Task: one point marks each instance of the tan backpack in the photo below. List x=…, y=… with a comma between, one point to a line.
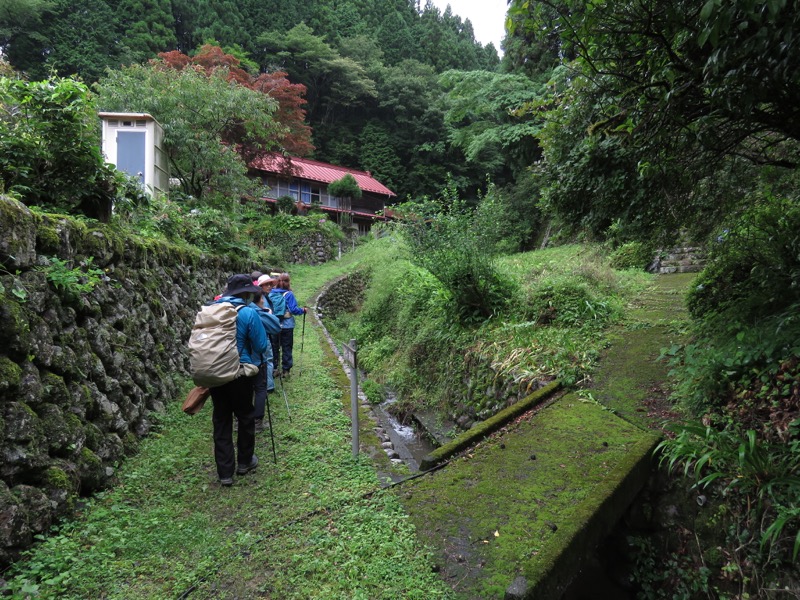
x=213, y=355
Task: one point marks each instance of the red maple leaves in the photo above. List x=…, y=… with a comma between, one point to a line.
x=296, y=139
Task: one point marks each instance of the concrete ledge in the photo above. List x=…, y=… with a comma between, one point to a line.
x=555, y=567
x=490, y=425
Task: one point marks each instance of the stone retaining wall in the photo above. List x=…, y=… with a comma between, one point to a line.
x=312, y=249
x=486, y=392
x=342, y=295
x=82, y=373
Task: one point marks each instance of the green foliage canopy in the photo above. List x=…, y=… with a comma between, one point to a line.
x=346, y=187
x=49, y=151
x=485, y=112
x=203, y=117
x=661, y=94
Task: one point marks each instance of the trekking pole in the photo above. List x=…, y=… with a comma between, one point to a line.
x=283, y=391
x=271, y=434
x=302, y=340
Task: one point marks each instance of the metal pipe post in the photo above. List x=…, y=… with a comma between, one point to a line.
x=354, y=396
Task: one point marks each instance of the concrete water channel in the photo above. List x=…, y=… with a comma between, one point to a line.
x=518, y=511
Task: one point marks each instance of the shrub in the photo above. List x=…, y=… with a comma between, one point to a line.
x=373, y=391
x=568, y=301
x=285, y=204
x=746, y=307
x=448, y=241
x=760, y=478
x=632, y=255
x=754, y=264
x=49, y=150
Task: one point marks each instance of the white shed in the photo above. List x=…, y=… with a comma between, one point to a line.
x=132, y=143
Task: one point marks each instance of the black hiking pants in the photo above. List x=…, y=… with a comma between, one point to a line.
x=233, y=399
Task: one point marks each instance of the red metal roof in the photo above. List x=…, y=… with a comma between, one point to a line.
x=317, y=171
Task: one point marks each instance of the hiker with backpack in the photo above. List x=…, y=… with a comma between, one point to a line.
x=277, y=305
x=226, y=348
x=261, y=386
x=283, y=289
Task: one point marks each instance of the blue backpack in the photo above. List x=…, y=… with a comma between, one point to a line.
x=279, y=308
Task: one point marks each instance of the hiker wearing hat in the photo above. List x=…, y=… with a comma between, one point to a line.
x=286, y=337
x=267, y=284
x=235, y=398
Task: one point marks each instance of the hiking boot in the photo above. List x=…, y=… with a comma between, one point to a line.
x=259, y=425
x=226, y=481
x=245, y=469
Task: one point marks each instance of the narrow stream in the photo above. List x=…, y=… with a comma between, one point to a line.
x=409, y=441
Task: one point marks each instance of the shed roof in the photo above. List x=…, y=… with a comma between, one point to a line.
x=317, y=171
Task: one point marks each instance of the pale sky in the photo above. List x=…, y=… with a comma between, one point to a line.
x=488, y=18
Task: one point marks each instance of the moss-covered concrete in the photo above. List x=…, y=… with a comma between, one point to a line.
x=631, y=378
x=531, y=502
x=484, y=428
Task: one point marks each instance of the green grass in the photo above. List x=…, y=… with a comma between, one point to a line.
x=314, y=525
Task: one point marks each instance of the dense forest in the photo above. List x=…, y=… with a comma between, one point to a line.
x=632, y=124
x=369, y=68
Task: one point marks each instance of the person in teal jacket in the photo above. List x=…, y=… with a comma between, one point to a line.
x=286, y=337
x=261, y=386
x=235, y=398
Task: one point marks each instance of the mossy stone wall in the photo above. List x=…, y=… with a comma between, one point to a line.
x=82, y=374
x=343, y=295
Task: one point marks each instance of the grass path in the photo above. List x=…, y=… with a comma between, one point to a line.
x=314, y=525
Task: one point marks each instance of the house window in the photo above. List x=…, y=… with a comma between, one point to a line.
x=316, y=194
x=294, y=190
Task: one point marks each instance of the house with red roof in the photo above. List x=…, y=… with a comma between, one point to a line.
x=306, y=181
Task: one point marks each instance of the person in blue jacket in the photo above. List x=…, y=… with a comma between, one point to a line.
x=284, y=288
x=235, y=398
x=261, y=385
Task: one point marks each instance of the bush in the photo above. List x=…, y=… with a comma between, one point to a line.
x=373, y=390
x=285, y=204
x=449, y=242
x=49, y=147
x=632, y=255
x=569, y=301
x=754, y=265
x=760, y=479
x=746, y=306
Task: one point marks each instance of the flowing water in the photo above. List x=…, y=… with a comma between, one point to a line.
x=410, y=441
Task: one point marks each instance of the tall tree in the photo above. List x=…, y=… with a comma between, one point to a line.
x=147, y=27
x=77, y=38
x=296, y=136
x=489, y=122
x=335, y=83
x=659, y=94
x=20, y=19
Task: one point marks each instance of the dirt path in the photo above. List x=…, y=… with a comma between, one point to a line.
x=516, y=514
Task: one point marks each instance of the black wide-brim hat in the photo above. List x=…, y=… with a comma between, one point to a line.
x=240, y=284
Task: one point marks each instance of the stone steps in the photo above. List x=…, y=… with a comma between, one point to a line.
x=683, y=259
